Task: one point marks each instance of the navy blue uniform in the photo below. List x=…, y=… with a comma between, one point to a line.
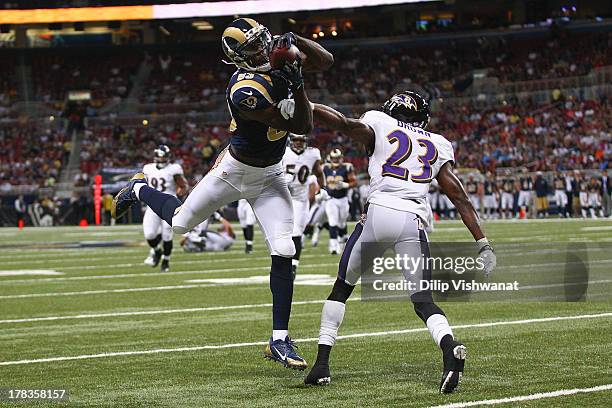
x=252, y=91
x=335, y=175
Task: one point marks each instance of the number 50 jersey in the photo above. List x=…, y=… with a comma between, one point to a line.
x=162, y=179
x=298, y=166
x=404, y=162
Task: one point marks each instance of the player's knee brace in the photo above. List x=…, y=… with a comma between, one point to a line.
x=341, y=291
x=424, y=305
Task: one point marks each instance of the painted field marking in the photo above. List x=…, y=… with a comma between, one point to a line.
x=529, y=397
x=36, y=272
x=130, y=275
x=306, y=340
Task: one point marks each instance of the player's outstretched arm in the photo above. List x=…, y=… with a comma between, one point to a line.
x=353, y=128
x=317, y=57
x=453, y=189
x=314, y=56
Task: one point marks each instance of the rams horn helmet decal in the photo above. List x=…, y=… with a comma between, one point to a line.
x=247, y=44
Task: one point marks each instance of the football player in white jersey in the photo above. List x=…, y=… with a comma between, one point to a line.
x=168, y=178
x=404, y=158
x=202, y=239
x=300, y=161
x=340, y=177
x=247, y=219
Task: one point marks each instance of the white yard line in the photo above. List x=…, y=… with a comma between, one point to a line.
x=98, y=292
x=160, y=312
x=306, y=340
x=131, y=275
x=530, y=397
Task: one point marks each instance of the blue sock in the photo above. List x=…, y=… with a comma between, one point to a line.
x=281, y=286
x=162, y=204
x=333, y=232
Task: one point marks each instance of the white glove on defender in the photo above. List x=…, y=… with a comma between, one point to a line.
x=286, y=108
x=486, y=253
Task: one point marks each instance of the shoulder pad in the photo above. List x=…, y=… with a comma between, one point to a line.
x=251, y=91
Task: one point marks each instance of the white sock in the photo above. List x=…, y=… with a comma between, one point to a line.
x=166, y=257
x=331, y=319
x=438, y=327
x=333, y=244
x=279, y=334
x=249, y=242
x=136, y=188
x=295, y=262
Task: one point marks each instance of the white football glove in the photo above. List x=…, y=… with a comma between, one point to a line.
x=342, y=185
x=486, y=253
x=286, y=108
x=322, y=195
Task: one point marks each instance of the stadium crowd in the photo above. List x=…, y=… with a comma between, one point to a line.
x=32, y=155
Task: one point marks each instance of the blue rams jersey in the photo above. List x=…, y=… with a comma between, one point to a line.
x=334, y=175
x=252, y=91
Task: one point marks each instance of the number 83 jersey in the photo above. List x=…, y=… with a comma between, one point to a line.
x=162, y=179
x=404, y=162
x=298, y=166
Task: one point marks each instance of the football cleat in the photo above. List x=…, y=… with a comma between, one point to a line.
x=319, y=375
x=126, y=197
x=283, y=351
x=153, y=259
x=248, y=249
x=454, y=360
x=165, y=265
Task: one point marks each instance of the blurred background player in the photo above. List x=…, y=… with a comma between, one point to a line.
x=507, y=197
x=594, y=198
x=471, y=186
x=403, y=160
x=167, y=178
x=339, y=177
x=490, y=196
x=526, y=188
x=202, y=239
x=540, y=185
x=560, y=195
x=246, y=217
x=300, y=162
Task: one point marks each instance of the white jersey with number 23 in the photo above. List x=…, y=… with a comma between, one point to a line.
x=404, y=162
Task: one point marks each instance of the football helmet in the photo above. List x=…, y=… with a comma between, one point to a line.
x=162, y=156
x=247, y=44
x=298, y=143
x=335, y=157
x=408, y=107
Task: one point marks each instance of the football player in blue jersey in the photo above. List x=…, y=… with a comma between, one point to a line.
x=250, y=167
x=340, y=177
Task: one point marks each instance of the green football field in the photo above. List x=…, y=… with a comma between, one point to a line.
x=93, y=319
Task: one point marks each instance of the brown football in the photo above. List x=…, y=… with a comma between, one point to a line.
x=281, y=56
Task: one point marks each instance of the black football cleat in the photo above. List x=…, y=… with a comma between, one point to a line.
x=454, y=360
x=248, y=249
x=126, y=197
x=165, y=265
x=319, y=375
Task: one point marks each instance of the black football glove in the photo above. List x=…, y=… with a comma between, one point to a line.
x=285, y=41
x=292, y=74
